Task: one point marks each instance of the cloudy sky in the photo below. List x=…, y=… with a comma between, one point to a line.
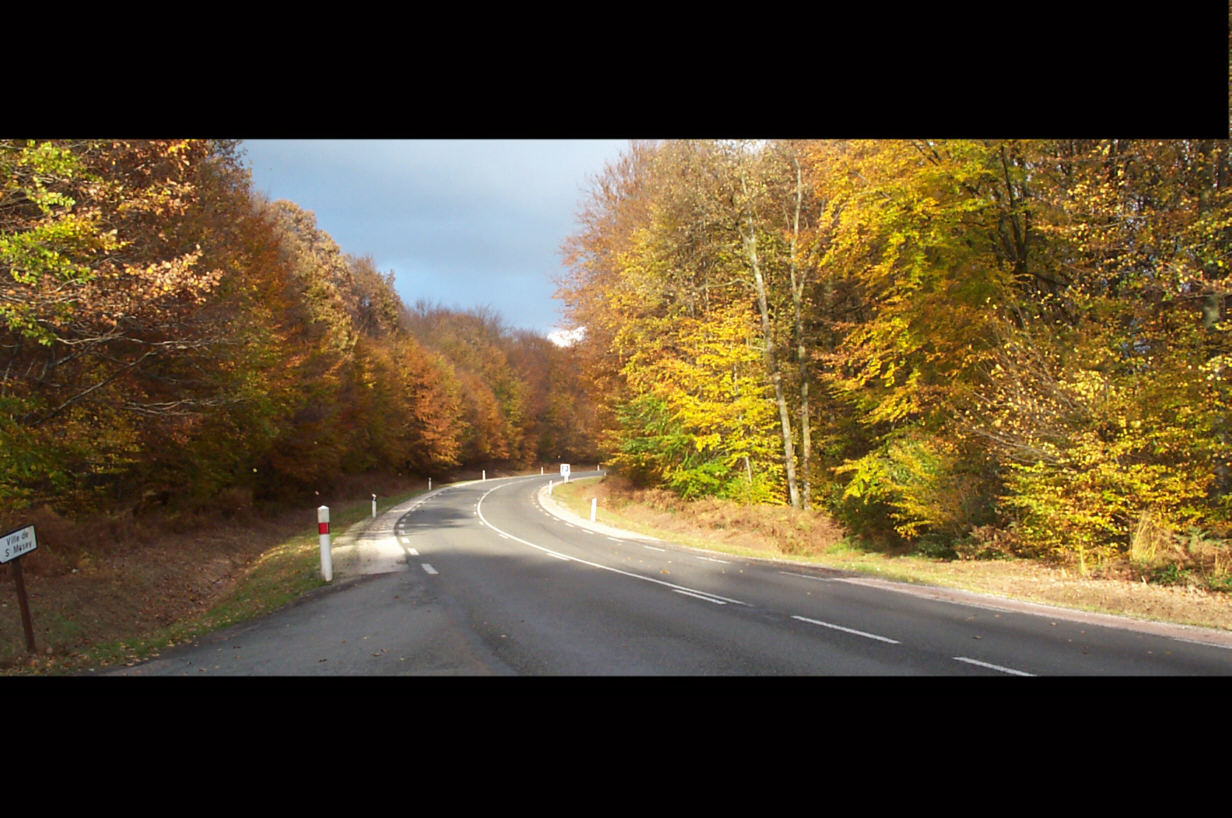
x=461, y=223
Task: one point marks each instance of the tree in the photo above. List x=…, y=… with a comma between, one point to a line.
x=101, y=306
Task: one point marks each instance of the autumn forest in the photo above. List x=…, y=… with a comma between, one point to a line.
x=173, y=341
x=976, y=347
x=979, y=347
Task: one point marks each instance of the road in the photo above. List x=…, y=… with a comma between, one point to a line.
x=492, y=578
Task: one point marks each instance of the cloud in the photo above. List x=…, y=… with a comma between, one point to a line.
x=566, y=338
x=460, y=222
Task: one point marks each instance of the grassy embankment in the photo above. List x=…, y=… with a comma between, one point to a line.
x=119, y=590
x=779, y=533
x=121, y=602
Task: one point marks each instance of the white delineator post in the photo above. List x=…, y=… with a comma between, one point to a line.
x=327, y=565
x=594, y=504
x=374, y=506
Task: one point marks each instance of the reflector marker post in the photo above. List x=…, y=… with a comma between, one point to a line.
x=327, y=565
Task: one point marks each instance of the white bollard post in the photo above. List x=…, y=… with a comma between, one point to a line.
x=541, y=469
x=429, y=484
x=594, y=504
x=327, y=566
x=485, y=474
x=374, y=506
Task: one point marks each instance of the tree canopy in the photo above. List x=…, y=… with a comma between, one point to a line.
x=168, y=336
x=931, y=338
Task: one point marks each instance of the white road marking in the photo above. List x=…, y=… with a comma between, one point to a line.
x=652, y=548
x=715, y=600
x=413, y=552
x=429, y=568
x=807, y=576
x=712, y=559
x=1009, y=670
x=558, y=555
x=847, y=630
x=1203, y=644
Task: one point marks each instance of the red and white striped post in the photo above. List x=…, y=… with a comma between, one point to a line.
x=327, y=566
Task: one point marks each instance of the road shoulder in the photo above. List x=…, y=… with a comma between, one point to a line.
x=1190, y=633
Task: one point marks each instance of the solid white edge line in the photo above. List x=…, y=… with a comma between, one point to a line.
x=847, y=630
x=1009, y=670
x=558, y=555
x=807, y=576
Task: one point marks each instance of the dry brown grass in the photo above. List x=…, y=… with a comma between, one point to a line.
x=88, y=587
x=767, y=529
x=115, y=579
x=782, y=533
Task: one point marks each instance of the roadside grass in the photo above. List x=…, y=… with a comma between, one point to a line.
x=114, y=610
x=779, y=533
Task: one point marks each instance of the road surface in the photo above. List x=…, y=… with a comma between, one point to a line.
x=492, y=578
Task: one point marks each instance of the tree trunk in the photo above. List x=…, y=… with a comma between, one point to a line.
x=772, y=364
x=797, y=303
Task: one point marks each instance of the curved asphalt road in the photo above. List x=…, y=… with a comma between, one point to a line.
x=492, y=578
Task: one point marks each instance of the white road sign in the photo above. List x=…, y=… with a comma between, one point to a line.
x=16, y=543
x=564, y=470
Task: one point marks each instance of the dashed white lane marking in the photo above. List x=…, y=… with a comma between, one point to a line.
x=413, y=552
x=707, y=597
x=558, y=555
x=847, y=630
x=614, y=539
x=1009, y=670
x=712, y=559
x=428, y=568
x=653, y=548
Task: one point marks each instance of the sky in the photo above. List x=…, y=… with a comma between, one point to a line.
x=461, y=223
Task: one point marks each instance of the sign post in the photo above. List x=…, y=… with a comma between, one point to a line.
x=13, y=546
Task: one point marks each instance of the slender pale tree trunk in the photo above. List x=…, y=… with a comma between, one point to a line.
x=772, y=364
x=797, y=303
